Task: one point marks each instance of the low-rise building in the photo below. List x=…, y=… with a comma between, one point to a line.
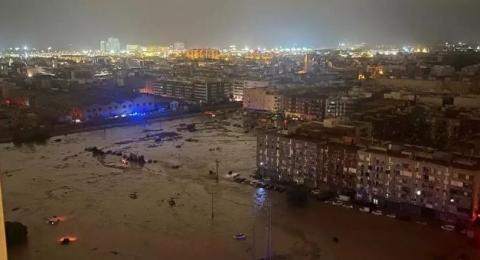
x=262, y=99
x=203, y=91
x=114, y=109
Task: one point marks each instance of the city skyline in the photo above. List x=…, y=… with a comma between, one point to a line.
x=213, y=23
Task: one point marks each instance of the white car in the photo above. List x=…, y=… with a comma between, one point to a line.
x=364, y=209
x=315, y=192
x=347, y=206
x=448, y=227
x=391, y=216
x=377, y=212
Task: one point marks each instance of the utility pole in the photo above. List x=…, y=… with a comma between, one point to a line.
x=217, y=162
x=212, y=208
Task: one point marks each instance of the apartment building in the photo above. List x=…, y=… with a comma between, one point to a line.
x=445, y=187
x=296, y=158
x=304, y=107
x=414, y=181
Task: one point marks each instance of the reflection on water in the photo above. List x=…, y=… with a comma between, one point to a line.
x=260, y=197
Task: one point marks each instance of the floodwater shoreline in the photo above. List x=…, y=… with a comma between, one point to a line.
x=74, y=130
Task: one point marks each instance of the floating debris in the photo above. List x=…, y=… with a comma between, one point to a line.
x=133, y=195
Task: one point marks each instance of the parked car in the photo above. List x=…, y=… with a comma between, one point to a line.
x=343, y=198
x=337, y=203
x=377, y=212
x=391, y=215
x=348, y=206
x=316, y=192
x=364, y=209
x=449, y=228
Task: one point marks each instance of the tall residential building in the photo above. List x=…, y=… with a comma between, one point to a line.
x=113, y=45
x=103, y=46
x=308, y=63
x=308, y=158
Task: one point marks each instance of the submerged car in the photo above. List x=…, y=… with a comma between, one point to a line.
x=240, y=236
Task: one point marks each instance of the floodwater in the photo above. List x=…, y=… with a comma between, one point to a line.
x=126, y=213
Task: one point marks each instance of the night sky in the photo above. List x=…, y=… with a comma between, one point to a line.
x=219, y=23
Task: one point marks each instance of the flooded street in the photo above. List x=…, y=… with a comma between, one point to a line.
x=126, y=212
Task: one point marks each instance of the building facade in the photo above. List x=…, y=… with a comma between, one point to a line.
x=421, y=183
x=304, y=107
x=444, y=188
x=262, y=99
x=203, y=54
x=203, y=91
x=139, y=105
x=308, y=162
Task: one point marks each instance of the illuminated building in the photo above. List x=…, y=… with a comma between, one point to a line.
x=133, y=48
x=114, y=109
x=307, y=157
x=113, y=45
x=409, y=181
x=156, y=51
x=203, y=54
x=339, y=106
x=103, y=47
x=437, y=185
x=178, y=47
x=200, y=90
